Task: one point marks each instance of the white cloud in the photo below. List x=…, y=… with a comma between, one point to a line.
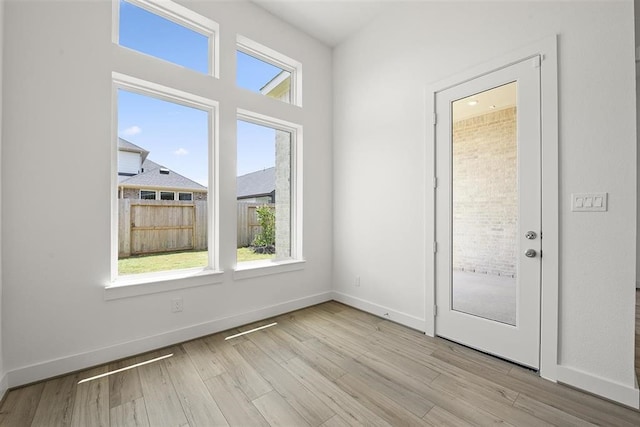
x=133, y=130
x=181, y=152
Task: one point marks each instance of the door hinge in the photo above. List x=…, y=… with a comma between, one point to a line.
x=435, y=182
x=536, y=61
x=435, y=247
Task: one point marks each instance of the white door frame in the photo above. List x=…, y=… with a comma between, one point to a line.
x=547, y=48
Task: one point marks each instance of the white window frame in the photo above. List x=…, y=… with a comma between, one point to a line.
x=277, y=59
x=295, y=261
x=120, y=286
x=179, y=15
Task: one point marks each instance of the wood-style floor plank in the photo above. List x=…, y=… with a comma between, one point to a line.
x=203, y=358
x=91, y=408
x=488, y=401
x=234, y=404
x=19, y=406
x=198, y=405
x=548, y=413
x=296, y=395
x=277, y=411
x=378, y=403
x=130, y=414
x=245, y=375
x=335, y=421
x=440, y=417
x=301, y=350
x=162, y=401
x=124, y=386
x=328, y=365
x=56, y=402
x=333, y=396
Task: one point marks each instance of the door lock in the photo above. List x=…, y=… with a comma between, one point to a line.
x=530, y=253
x=530, y=235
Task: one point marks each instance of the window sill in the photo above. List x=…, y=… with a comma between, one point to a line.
x=251, y=269
x=144, y=284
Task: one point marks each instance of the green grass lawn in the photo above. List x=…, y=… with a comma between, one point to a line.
x=176, y=261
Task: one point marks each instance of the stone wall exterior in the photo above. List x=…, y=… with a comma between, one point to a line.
x=283, y=194
x=485, y=204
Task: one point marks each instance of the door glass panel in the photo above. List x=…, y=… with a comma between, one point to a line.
x=485, y=204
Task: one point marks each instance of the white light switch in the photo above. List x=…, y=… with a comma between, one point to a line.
x=589, y=202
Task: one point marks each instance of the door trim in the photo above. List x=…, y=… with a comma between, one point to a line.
x=547, y=48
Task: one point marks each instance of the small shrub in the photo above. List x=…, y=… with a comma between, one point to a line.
x=264, y=243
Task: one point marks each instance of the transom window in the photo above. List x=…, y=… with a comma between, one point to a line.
x=168, y=31
x=264, y=71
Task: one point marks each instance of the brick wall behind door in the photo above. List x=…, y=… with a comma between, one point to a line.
x=485, y=202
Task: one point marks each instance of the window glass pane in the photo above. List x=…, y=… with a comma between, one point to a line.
x=147, y=195
x=263, y=192
x=154, y=35
x=264, y=78
x=485, y=196
x=170, y=142
x=185, y=196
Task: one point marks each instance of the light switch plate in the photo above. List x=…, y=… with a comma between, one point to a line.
x=589, y=202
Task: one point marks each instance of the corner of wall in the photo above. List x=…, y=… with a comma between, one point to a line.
x=3, y=376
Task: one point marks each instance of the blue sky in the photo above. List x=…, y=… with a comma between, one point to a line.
x=175, y=135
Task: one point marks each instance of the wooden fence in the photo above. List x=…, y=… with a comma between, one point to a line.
x=154, y=226
x=248, y=226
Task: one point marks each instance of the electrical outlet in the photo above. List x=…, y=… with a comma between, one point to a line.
x=357, y=281
x=176, y=305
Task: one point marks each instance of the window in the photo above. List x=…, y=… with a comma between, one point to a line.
x=147, y=194
x=185, y=196
x=173, y=132
x=267, y=72
x=167, y=195
x=168, y=31
x=266, y=188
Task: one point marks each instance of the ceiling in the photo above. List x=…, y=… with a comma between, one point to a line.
x=485, y=102
x=330, y=21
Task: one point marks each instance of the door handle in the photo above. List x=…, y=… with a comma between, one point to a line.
x=530, y=253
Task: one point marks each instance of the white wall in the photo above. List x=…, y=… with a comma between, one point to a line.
x=56, y=215
x=3, y=378
x=380, y=78
x=636, y=14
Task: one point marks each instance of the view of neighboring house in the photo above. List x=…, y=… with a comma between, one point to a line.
x=257, y=187
x=278, y=87
x=141, y=178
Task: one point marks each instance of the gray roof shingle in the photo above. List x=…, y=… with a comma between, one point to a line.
x=258, y=183
x=151, y=177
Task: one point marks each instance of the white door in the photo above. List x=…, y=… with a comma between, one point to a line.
x=488, y=212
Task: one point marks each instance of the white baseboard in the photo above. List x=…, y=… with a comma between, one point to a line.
x=76, y=362
x=4, y=385
x=380, y=311
x=608, y=389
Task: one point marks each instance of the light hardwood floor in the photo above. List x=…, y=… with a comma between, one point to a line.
x=328, y=365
